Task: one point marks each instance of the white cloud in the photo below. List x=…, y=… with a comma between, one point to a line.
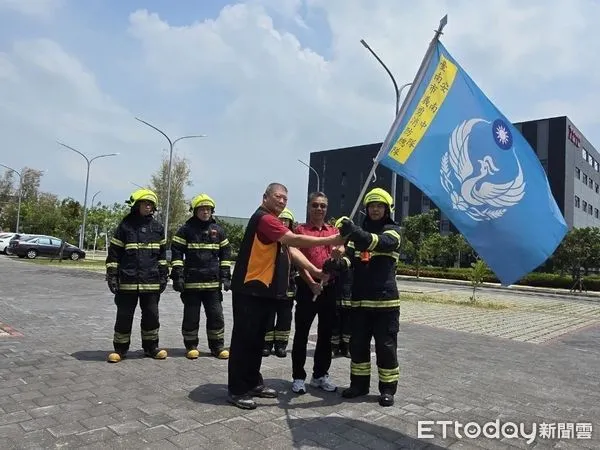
x=288, y=100
x=37, y=8
x=264, y=98
x=48, y=95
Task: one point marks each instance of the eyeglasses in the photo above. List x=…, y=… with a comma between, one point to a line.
x=319, y=205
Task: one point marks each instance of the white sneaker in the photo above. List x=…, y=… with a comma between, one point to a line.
x=324, y=383
x=298, y=387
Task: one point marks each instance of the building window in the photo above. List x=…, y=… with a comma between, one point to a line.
x=445, y=225
x=405, y=198
x=596, y=213
x=426, y=202
x=584, y=203
x=578, y=173
x=597, y=188
x=596, y=166
x=577, y=202
x=584, y=178
x=591, y=183
x=589, y=209
x=343, y=181
x=584, y=153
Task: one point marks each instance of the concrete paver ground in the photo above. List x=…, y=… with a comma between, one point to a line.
x=534, y=363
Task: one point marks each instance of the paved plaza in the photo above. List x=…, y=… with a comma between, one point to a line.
x=535, y=363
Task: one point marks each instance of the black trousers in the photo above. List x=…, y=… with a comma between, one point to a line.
x=279, y=324
x=250, y=317
x=126, y=304
x=215, y=323
x=383, y=326
x=306, y=310
x=342, y=331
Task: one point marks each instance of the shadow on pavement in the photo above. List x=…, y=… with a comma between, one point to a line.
x=326, y=432
x=334, y=432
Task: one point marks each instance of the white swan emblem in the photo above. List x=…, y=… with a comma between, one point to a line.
x=476, y=196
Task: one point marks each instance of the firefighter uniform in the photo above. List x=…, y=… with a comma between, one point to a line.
x=136, y=269
x=340, y=338
x=375, y=300
x=280, y=319
x=201, y=263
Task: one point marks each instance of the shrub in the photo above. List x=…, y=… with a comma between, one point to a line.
x=535, y=279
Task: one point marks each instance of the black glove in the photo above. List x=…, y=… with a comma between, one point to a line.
x=179, y=284
x=346, y=226
x=113, y=283
x=331, y=265
x=226, y=284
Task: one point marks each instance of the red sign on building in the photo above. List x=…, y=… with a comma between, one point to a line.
x=574, y=137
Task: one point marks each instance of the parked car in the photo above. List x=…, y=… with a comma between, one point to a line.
x=5, y=240
x=46, y=246
x=15, y=239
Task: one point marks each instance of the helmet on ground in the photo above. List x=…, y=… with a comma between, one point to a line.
x=287, y=214
x=143, y=194
x=379, y=195
x=202, y=200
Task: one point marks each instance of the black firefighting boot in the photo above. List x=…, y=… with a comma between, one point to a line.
x=335, y=350
x=386, y=399
x=267, y=349
x=344, y=350
x=356, y=389
x=155, y=352
x=280, y=349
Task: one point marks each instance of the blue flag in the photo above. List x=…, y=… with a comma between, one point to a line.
x=458, y=148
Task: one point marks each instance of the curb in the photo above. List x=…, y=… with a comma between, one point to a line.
x=528, y=290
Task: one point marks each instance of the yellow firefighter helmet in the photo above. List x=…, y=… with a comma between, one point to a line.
x=143, y=194
x=379, y=195
x=287, y=214
x=202, y=200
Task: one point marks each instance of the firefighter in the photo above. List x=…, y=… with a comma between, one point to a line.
x=200, y=275
x=280, y=320
x=340, y=337
x=136, y=269
x=375, y=300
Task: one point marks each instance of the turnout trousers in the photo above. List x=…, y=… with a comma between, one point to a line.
x=193, y=300
x=384, y=327
x=342, y=331
x=250, y=317
x=126, y=305
x=279, y=325
x=306, y=311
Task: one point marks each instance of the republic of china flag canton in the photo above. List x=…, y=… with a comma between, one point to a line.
x=461, y=151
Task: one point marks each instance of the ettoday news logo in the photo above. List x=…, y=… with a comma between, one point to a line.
x=429, y=429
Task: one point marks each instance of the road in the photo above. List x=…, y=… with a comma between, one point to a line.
x=57, y=391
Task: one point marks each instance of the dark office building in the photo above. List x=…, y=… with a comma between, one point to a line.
x=569, y=159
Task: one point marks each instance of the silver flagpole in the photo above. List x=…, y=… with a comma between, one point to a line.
x=409, y=97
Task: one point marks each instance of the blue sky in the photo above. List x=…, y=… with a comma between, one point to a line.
x=275, y=78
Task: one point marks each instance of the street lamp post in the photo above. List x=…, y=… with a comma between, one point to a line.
x=20, y=195
x=398, y=96
x=89, y=162
x=171, y=146
x=315, y=172
x=94, y=197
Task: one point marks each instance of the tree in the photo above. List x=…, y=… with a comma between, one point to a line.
x=31, y=183
x=180, y=179
x=417, y=229
x=579, y=249
x=234, y=233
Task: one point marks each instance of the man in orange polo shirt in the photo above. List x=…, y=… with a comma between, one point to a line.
x=307, y=306
x=259, y=283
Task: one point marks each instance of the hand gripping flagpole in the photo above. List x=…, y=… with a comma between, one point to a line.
x=400, y=116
